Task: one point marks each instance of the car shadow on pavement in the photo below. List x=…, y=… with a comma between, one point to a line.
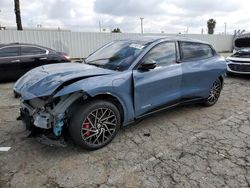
x=239, y=76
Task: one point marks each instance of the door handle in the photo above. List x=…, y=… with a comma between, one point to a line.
x=15, y=61
x=43, y=58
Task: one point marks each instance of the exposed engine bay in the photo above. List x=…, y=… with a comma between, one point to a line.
x=46, y=116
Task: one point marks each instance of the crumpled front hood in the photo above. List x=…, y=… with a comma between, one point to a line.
x=44, y=80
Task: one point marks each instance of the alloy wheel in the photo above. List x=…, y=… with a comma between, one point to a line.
x=99, y=126
x=214, y=92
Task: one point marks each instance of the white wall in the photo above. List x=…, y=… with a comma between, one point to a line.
x=81, y=44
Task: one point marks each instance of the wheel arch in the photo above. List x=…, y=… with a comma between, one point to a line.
x=113, y=99
x=103, y=96
x=221, y=80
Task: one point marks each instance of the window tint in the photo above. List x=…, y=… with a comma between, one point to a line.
x=163, y=54
x=28, y=50
x=195, y=51
x=9, y=51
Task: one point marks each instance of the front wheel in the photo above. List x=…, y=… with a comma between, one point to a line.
x=214, y=93
x=95, y=124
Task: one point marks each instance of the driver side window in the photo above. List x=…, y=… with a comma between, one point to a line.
x=162, y=54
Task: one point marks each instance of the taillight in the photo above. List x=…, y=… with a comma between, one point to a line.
x=66, y=57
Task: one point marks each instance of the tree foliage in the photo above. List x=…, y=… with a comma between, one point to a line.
x=116, y=30
x=211, y=23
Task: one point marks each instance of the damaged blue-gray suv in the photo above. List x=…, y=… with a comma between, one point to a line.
x=121, y=82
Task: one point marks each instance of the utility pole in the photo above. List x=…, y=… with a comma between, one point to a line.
x=18, y=15
x=141, y=25
x=100, y=27
x=225, y=28
x=0, y=23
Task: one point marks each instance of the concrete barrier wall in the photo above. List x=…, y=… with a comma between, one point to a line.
x=81, y=44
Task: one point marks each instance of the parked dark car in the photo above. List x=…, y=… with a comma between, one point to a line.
x=17, y=58
x=121, y=82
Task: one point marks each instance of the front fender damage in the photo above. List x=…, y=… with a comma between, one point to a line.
x=47, y=118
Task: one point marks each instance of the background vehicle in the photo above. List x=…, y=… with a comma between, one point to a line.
x=16, y=59
x=239, y=62
x=119, y=83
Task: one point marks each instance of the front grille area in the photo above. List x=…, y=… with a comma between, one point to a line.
x=240, y=61
x=239, y=68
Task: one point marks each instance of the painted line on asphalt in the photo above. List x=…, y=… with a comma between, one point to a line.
x=4, y=148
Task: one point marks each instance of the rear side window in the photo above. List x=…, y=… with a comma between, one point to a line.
x=195, y=51
x=9, y=52
x=29, y=50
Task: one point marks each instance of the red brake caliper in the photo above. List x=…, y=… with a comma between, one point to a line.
x=86, y=126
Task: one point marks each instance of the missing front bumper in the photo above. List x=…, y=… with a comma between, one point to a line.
x=43, y=136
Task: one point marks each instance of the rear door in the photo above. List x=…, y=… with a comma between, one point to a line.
x=10, y=63
x=197, y=67
x=32, y=56
x=160, y=86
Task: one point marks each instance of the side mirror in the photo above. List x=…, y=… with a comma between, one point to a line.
x=147, y=64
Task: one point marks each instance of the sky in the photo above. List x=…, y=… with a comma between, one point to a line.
x=168, y=16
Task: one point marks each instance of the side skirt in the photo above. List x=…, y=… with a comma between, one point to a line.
x=165, y=108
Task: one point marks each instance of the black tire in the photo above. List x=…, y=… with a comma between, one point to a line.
x=85, y=129
x=214, y=93
x=15, y=95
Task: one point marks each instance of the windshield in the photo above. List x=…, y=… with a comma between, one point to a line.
x=117, y=55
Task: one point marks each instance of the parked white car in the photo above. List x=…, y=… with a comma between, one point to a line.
x=239, y=62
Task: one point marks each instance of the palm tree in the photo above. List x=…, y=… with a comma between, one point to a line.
x=211, y=25
x=18, y=15
x=117, y=30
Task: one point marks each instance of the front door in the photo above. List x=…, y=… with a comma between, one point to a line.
x=159, y=86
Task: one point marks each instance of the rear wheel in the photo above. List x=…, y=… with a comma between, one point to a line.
x=214, y=93
x=95, y=124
